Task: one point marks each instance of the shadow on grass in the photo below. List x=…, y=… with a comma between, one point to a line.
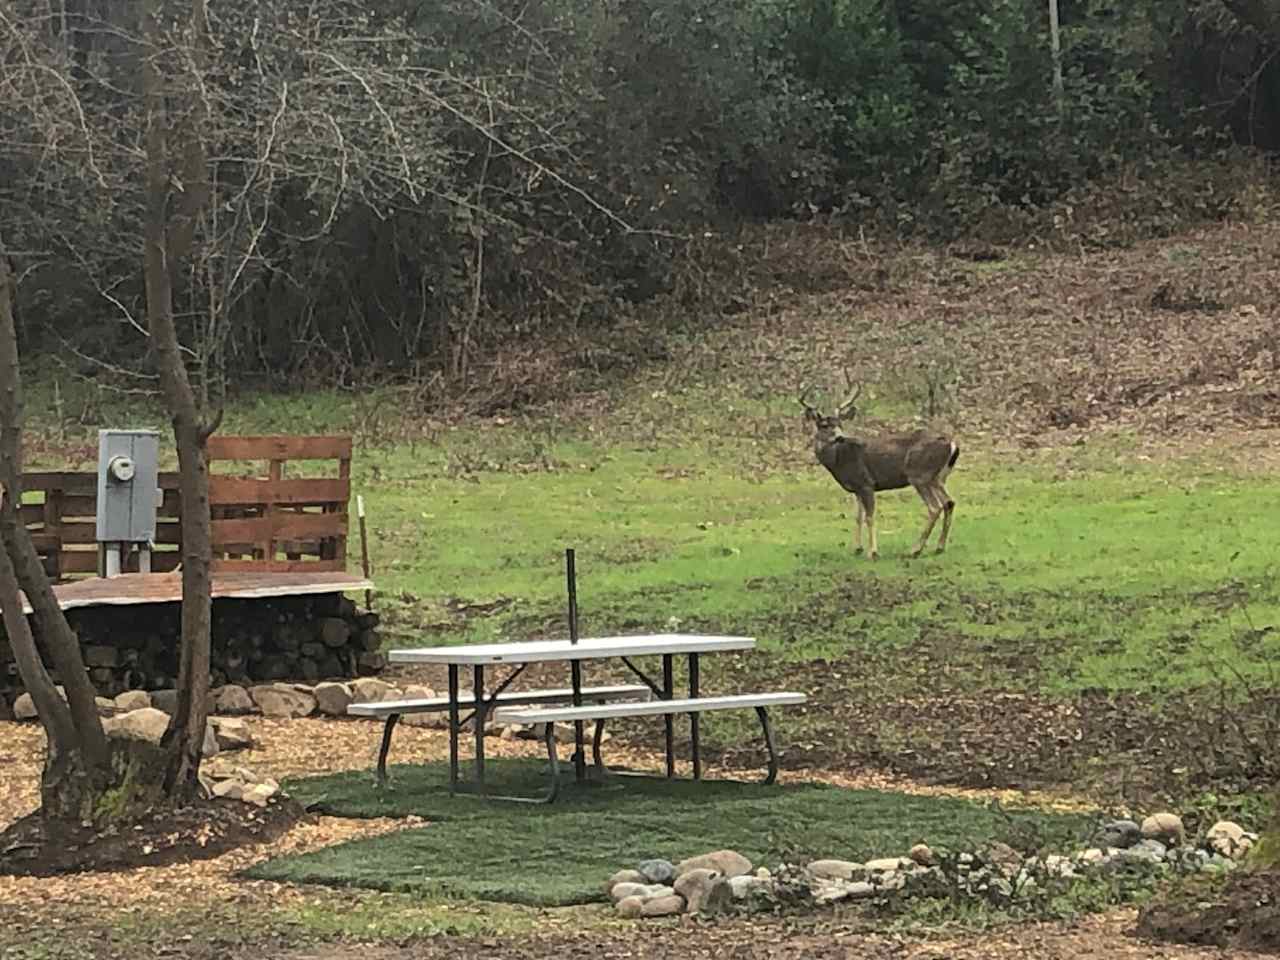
x=561, y=854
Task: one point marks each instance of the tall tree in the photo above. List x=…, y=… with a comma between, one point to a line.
x=77, y=761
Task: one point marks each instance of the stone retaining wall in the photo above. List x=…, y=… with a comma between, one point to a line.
x=301, y=638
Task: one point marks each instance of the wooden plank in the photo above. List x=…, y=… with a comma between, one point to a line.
x=78, y=561
x=79, y=505
x=81, y=483
x=222, y=447
x=295, y=526
x=81, y=531
x=248, y=490
x=135, y=588
x=274, y=566
x=31, y=513
x=46, y=543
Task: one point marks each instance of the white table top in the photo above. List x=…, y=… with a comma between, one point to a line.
x=587, y=648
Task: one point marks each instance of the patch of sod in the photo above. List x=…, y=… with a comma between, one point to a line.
x=561, y=854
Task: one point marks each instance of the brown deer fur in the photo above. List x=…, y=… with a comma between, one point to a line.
x=920, y=459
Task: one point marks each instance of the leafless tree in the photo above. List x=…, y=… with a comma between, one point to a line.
x=180, y=129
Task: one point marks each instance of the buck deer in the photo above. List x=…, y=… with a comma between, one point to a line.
x=919, y=459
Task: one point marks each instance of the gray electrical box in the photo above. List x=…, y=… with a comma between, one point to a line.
x=128, y=485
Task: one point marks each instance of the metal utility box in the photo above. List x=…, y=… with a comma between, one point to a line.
x=128, y=488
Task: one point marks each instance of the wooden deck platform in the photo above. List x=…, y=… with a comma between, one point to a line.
x=134, y=588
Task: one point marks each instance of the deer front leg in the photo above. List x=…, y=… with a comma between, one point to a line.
x=935, y=507
x=869, y=510
x=857, y=526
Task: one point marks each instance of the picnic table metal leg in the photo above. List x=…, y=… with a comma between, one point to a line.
x=392, y=720
x=479, y=721
x=579, y=740
x=768, y=742
x=668, y=693
x=695, y=741
x=453, y=727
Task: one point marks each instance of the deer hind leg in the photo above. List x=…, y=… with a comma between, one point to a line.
x=948, y=508
x=857, y=526
x=935, y=506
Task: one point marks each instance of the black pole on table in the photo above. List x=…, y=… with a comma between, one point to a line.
x=571, y=578
x=575, y=666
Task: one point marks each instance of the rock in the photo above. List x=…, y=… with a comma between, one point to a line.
x=744, y=887
x=1139, y=853
x=209, y=746
x=333, y=631
x=1226, y=838
x=725, y=862
x=922, y=855
x=1152, y=847
x=233, y=700
x=1164, y=826
x=106, y=706
x=704, y=890
x=260, y=793
x=133, y=700
x=435, y=721
x=658, y=871
x=332, y=699
x=623, y=876
x=147, y=725
x=833, y=890
x=888, y=864
x=1093, y=856
x=281, y=700
x=1003, y=856
x=837, y=870
x=1056, y=865
x=24, y=708
x=369, y=690
x=631, y=907
x=230, y=789
x=166, y=700
x=231, y=733
x=663, y=906
x=1118, y=833
x=626, y=889
x=369, y=662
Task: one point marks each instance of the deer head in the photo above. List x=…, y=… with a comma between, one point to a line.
x=826, y=426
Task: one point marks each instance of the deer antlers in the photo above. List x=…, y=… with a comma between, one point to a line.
x=809, y=410
x=850, y=405
x=846, y=409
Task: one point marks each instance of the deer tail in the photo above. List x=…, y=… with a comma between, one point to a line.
x=955, y=454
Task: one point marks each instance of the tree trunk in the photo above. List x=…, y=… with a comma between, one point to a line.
x=77, y=758
x=163, y=250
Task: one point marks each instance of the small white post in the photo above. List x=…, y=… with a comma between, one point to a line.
x=1055, y=45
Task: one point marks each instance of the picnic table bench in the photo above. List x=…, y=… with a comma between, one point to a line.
x=610, y=711
x=393, y=710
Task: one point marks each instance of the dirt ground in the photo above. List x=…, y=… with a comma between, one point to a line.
x=80, y=904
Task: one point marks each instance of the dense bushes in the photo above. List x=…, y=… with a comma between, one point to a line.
x=577, y=141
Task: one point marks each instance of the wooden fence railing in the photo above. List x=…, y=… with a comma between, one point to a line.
x=263, y=518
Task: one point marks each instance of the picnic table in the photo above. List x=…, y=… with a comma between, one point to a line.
x=485, y=698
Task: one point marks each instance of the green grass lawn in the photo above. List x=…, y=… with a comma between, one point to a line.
x=1127, y=579
x=1072, y=572
x=562, y=853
